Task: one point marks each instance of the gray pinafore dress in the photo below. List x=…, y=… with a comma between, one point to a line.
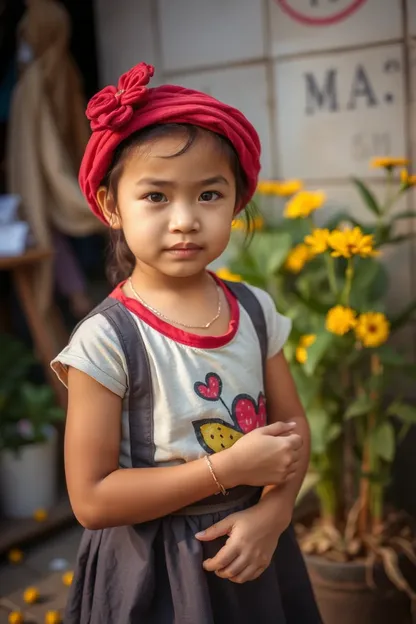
x=152, y=573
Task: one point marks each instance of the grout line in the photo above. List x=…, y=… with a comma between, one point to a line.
x=294, y=56
x=272, y=102
x=157, y=33
x=409, y=131
x=186, y=71
x=275, y=59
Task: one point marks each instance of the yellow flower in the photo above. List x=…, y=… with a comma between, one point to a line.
x=226, y=274
x=372, y=329
x=15, y=555
x=340, y=320
x=240, y=224
x=297, y=258
x=304, y=203
x=317, y=241
x=407, y=180
x=15, y=617
x=53, y=617
x=351, y=242
x=286, y=188
x=388, y=162
x=67, y=578
x=31, y=595
x=265, y=187
x=40, y=515
x=301, y=350
x=283, y=188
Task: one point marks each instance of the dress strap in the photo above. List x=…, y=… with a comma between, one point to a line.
x=142, y=445
x=253, y=308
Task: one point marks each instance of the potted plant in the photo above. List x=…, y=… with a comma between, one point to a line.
x=28, y=438
x=332, y=282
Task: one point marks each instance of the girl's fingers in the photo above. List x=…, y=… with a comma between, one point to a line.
x=234, y=569
x=291, y=474
x=222, y=559
x=248, y=574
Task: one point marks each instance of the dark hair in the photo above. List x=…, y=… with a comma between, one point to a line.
x=121, y=259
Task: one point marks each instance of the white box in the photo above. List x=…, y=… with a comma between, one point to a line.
x=13, y=238
x=9, y=207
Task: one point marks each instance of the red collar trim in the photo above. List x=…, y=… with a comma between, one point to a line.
x=184, y=337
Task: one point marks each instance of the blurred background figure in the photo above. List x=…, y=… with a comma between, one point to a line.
x=47, y=133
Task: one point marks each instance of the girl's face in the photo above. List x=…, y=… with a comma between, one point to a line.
x=176, y=211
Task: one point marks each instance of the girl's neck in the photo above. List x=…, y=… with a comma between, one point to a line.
x=149, y=279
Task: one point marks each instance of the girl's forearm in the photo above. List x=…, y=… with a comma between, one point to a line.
x=281, y=499
x=134, y=495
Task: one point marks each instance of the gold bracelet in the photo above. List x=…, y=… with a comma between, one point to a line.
x=221, y=488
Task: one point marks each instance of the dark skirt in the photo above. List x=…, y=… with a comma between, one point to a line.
x=152, y=574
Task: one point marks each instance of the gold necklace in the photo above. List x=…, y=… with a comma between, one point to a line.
x=165, y=318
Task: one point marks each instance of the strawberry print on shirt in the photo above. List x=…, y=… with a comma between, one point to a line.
x=214, y=434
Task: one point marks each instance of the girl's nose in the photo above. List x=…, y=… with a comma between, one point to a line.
x=183, y=219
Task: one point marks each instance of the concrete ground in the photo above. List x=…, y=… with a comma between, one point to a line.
x=42, y=567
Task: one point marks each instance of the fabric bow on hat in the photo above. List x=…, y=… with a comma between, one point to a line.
x=113, y=107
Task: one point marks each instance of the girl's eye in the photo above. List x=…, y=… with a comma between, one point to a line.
x=156, y=198
x=209, y=196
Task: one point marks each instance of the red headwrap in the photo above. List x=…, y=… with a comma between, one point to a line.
x=115, y=113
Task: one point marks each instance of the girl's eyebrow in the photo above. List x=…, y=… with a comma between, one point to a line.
x=219, y=179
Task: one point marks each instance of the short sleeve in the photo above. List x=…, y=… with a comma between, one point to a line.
x=278, y=326
x=95, y=350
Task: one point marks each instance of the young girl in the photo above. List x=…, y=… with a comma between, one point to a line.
x=184, y=483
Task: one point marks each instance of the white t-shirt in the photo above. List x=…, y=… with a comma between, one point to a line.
x=207, y=390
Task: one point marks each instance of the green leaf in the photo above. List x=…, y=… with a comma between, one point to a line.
x=370, y=283
x=269, y=251
x=403, y=411
x=367, y=196
x=360, y=407
x=406, y=214
x=334, y=431
x=319, y=422
x=308, y=388
x=316, y=352
x=400, y=239
x=383, y=442
x=312, y=303
x=404, y=316
x=390, y=357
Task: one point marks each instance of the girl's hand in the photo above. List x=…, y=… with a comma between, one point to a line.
x=265, y=456
x=250, y=547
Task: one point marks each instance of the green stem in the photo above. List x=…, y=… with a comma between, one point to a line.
x=389, y=192
x=330, y=264
x=326, y=492
x=349, y=275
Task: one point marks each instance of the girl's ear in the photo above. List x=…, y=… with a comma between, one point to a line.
x=108, y=208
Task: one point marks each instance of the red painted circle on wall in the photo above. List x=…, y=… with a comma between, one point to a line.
x=309, y=20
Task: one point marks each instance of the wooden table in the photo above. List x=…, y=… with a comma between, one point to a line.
x=45, y=331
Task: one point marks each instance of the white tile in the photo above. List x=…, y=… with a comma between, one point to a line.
x=196, y=33
x=312, y=25
x=244, y=88
x=336, y=111
x=125, y=37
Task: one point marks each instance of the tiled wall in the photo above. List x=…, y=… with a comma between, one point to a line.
x=327, y=83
